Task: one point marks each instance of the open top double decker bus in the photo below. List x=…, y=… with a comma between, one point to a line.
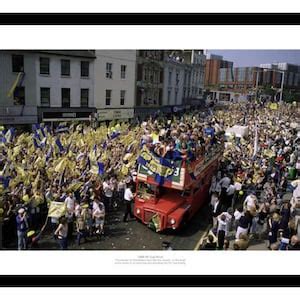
x=173, y=202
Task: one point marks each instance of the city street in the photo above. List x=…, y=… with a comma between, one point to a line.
x=134, y=235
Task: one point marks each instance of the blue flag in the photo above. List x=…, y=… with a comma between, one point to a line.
x=36, y=142
x=62, y=127
x=114, y=135
x=101, y=168
x=49, y=153
x=59, y=145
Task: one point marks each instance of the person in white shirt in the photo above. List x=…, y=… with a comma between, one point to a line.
x=98, y=214
x=70, y=205
x=108, y=194
x=237, y=215
x=222, y=229
x=128, y=198
x=70, y=202
x=77, y=210
x=230, y=195
x=250, y=202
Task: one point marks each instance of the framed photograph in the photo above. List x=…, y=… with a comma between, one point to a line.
x=130, y=149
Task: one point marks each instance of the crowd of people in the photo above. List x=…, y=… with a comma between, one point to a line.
x=256, y=194
x=93, y=170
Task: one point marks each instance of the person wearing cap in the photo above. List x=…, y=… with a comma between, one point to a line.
x=22, y=227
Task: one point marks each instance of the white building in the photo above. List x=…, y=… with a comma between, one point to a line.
x=21, y=106
x=115, y=82
x=183, y=78
x=174, y=70
x=53, y=86
x=194, y=77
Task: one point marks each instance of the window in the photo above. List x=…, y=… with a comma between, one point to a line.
x=17, y=63
x=176, y=94
x=169, y=97
x=45, y=97
x=122, y=97
x=109, y=70
x=147, y=191
x=84, y=98
x=145, y=74
x=107, y=97
x=177, y=79
x=241, y=74
x=65, y=67
x=222, y=75
x=65, y=97
x=19, y=95
x=85, y=65
x=123, y=71
x=44, y=65
x=170, y=78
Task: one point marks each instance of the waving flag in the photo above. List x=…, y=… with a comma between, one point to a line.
x=36, y=142
x=114, y=135
x=16, y=83
x=101, y=168
x=39, y=131
x=62, y=127
x=159, y=166
x=9, y=135
x=49, y=153
x=59, y=145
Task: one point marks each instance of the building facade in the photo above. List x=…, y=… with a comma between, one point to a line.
x=19, y=106
x=173, y=83
x=214, y=64
x=291, y=74
x=149, y=81
x=193, y=90
x=115, y=84
x=46, y=86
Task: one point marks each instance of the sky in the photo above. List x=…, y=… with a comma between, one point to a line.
x=249, y=58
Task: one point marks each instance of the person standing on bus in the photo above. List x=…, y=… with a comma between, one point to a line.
x=128, y=198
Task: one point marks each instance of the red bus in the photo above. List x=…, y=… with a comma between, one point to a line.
x=169, y=205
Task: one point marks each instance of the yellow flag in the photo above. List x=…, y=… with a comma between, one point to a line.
x=20, y=171
x=273, y=106
x=36, y=181
x=12, y=89
x=61, y=165
x=124, y=170
x=56, y=209
x=75, y=186
x=26, y=199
